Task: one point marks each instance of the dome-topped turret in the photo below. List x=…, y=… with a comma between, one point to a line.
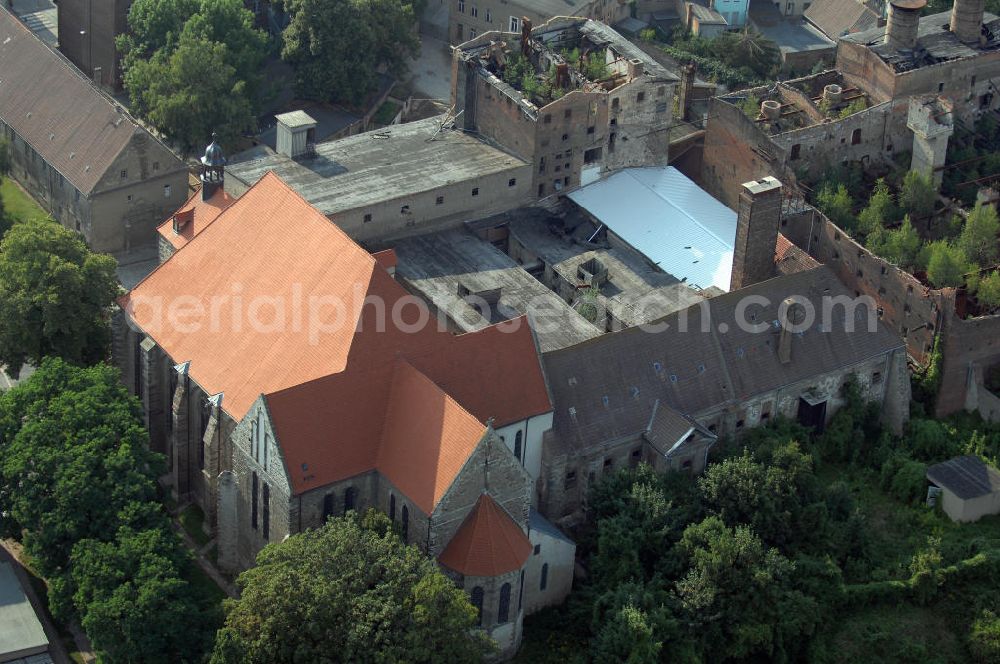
x=213, y=155
x=213, y=169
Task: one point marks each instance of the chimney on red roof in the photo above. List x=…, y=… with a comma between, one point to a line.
x=181, y=219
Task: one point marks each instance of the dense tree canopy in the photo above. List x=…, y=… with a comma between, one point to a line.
x=78, y=483
x=361, y=595
x=946, y=264
x=133, y=603
x=54, y=296
x=917, y=195
x=337, y=48
x=791, y=547
x=980, y=238
x=192, y=67
x=74, y=457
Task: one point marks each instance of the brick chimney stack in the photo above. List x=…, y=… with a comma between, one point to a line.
x=757, y=223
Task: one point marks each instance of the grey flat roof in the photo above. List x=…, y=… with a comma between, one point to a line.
x=21, y=633
x=295, y=119
x=965, y=476
x=636, y=292
x=795, y=36
x=935, y=42
x=435, y=265
x=398, y=161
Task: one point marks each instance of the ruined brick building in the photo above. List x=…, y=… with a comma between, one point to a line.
x=272, y=430
x=861, y=111
x=92, y=166
x=571, y=129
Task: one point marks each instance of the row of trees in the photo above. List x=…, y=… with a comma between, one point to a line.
x=969, y=246
x=78, y=483
x=769, y=552
x=193, y=67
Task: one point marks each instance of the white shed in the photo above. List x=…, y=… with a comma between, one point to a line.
x=970, y=488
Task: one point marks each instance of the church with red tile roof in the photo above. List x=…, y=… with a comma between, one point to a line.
x=289, y=378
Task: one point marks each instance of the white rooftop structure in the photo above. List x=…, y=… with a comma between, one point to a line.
x=21, y=634
x=669, y=219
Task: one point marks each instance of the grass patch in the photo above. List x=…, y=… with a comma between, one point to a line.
x=192, y=519
x=386, y=112
x=18, y=204
x=549, y=639
x=894, y=634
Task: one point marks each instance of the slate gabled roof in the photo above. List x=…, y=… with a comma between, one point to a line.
x=836, y=18
x=965, y=476
x=49, y=103
x=488, y=543
x=606, y=388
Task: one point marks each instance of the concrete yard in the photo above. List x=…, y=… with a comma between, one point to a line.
x=448, y=267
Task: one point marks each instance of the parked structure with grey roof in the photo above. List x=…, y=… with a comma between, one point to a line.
x=402, y=180
x=77, y=151
x=21, y=633
x=661, y=393
x=837, y=18
x=970, y=487
x=475, y=285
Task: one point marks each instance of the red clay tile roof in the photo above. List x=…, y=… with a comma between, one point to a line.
x=390, y=418
x=337, y=404
x=789, y=258
x=488, y=543
x=426, y=437
x=201, y=213
x=386, y=258
x=269, y=244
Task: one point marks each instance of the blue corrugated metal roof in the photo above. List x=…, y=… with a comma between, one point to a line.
x=668, y=218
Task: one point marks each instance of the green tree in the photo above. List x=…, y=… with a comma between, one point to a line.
x=361, y=595
x=749, y=49
x=75, y=458
x=228, y=22
x=627, y=637
x=946, y=264
x=54, y=296
x=902, y=245
x=154, y=25
x=880, y=209
x=835, y=202
x=984, y=638
x=989, y=290
x=133, y=602
x=917, y=194
x=338, y=48
x=192, y=67
x=978, y=240
x=192, y=92
x=741, y=594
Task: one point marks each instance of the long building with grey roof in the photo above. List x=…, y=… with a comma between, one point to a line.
x=664, y=392
x=402, y=180
x=78, y=152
